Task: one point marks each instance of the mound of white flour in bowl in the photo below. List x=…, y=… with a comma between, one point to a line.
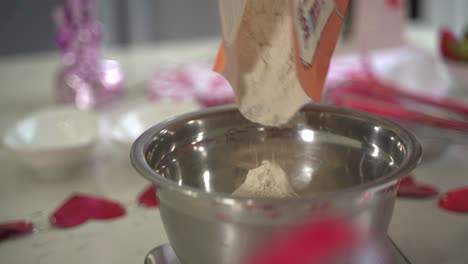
x=266, y=181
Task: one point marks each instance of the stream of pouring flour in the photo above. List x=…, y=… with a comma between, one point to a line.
x=268, y=62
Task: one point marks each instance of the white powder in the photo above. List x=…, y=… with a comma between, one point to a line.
x=266, y=181
x=261, y=65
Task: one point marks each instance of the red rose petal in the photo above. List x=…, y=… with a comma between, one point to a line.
x=15, y=229
x=79, y=208
x=409, y=188
x=148, y=197
x=455, y=200
x=313, y=242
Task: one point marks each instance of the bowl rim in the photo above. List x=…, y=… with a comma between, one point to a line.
x=412, y=159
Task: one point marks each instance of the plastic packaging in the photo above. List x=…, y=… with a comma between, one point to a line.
x=315, y=30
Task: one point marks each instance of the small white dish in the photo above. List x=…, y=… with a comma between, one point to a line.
x=54, y=139
x=459, y=72
x=131, y=124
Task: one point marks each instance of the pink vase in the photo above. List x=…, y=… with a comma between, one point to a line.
x=90, y=91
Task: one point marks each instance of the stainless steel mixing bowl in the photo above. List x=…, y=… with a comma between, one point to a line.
x=340, y=159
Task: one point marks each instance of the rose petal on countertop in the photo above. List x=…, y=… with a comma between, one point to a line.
x=455, y=200
x=80, y=208
x=148, y=197
x=408, y=187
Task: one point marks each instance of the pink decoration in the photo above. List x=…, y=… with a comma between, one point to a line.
x=85, y=79
x=190, y=82
x=86, y=92
x=80, y=208
x=410, y=188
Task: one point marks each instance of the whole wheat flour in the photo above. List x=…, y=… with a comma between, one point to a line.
x=266, y=181
x=263, y=73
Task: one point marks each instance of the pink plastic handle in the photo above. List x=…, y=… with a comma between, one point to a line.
x=389, y=90
x=395, y=111
x=371, y=81
x=370, y=95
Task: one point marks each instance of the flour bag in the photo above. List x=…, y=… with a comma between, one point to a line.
x=276, y=53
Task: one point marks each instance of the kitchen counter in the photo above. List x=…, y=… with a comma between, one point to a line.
x=425, y=233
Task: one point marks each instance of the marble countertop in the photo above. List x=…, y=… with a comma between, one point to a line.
x=425, y=233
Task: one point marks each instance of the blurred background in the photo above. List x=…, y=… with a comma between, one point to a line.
x=26, y=26
x=158, y=63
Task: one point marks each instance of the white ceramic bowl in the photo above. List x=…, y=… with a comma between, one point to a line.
x=131, y=124
x=459, y=72
x=53, y=139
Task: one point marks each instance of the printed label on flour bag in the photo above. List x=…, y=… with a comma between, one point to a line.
x=310, y=18
x=316, y=28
